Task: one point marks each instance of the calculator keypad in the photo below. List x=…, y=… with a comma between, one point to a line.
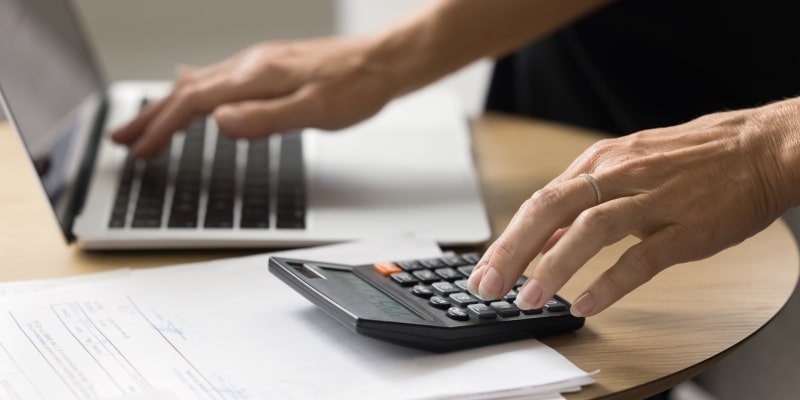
x=443, y=282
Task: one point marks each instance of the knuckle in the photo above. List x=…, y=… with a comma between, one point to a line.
x=240, y=78
x=600, y=148
x=268, y=66
x=184, y=78
x=545, y=197
x=594, y=219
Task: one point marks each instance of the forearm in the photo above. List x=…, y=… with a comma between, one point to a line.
x=449, y=34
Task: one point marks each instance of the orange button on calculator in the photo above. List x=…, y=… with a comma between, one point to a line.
x=386, y=268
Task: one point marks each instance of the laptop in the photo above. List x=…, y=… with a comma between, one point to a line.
x=409, y=169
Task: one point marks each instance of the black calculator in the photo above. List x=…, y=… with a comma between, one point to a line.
x=421, y=303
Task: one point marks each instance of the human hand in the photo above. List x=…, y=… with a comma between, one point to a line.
x=687, y=192
x=327, y=83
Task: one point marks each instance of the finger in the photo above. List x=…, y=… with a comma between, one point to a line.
x=549, y=209
x=249, y=119
x=637, y=265
x=128, y=133
x=553, y=240
x=131, y=131
x=594, y=229
x=186, y=102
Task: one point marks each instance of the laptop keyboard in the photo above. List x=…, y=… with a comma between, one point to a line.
x=177, y=189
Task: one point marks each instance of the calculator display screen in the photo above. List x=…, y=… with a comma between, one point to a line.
x=388, y=305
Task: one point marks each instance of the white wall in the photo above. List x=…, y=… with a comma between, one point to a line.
x=145, y=39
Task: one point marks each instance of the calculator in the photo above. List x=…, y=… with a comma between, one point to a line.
x=421, y=303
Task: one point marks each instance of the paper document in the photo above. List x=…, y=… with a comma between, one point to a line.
x=228, y=329
x=38, y=285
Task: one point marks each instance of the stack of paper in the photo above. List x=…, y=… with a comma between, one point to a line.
x=230, y=330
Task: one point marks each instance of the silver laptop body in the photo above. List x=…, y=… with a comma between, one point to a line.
x=409, y=169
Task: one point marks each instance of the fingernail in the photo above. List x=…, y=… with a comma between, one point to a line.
x=530, y=295
x=583, y=306
x=491, y=284
x=473, y=281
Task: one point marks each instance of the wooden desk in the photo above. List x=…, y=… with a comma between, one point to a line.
x=660, y=335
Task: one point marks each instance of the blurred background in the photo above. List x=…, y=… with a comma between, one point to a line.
x=146, y=39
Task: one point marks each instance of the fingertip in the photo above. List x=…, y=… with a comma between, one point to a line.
x=584, y=306
x=491, y=285
x=530, y=296
x=474, y=281
x=145, y=149
x=118, y=136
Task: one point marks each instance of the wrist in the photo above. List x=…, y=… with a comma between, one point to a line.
x=779, y=124
x=407, y=56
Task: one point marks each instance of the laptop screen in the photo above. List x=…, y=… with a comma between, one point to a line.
x=51, y=90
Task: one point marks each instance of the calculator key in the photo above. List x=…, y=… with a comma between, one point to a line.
x=423, y=291
x=481, y=311
x=412, y=265
x=554, y=306
x=461, y=284
x=458, y=314
x=471, y=258
x=439, y=302
x=462, y=299
x=453, y=261
x=466, y=270
x=510, y=296
x=386, y=268
x=520, y=280
x=532, y=311
x=404, y=278
x=433, y=263
x=448, y=273
x=444, y=288
x=504, y=309
x=427, y=276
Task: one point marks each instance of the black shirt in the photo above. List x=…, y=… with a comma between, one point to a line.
x=640, y=64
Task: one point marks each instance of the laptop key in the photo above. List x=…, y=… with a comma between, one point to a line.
x=291, y=197
x=186, y=198
x=222, y=185
x=119, y=210
x=255, y=195
x=150, y=203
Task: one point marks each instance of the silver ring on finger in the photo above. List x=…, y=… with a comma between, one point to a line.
x=595, y=185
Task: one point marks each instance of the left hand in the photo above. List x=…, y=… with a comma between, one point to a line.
x=687, y=192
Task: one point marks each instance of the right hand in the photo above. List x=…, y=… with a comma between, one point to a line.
x=327, y=83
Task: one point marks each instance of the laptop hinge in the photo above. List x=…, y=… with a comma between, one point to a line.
x=85, y=170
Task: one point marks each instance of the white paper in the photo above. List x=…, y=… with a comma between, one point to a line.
x=37, y=285
x=229, y=329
